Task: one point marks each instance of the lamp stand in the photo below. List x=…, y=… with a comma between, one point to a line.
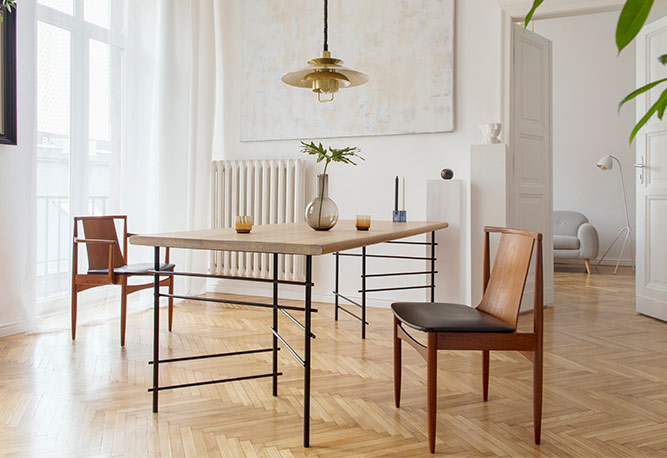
x=627, y=230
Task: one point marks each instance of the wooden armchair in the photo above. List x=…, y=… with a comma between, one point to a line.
x=107, y=265
x=490, y=326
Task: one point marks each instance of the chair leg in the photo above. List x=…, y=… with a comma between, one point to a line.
x=485, y=374
x=75, y=294
x=397, y=365
x=171, y=302
x=587, y=262
x=123, y=311
x=431, y=387
x=537, y=396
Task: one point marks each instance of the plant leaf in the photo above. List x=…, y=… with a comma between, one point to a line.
x=530, y=14
x=663, y=104
x=639, y=91
x=663, y=59
x=656, y=106
x=630, y=22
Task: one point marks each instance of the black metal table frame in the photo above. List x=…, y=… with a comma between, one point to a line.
x=274, y=374
x=363, y=255
x=276, y=307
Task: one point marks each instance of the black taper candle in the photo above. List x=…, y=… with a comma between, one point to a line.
x=396, y=195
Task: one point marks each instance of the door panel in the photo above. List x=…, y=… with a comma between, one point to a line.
x=651, y=282
x=531, y=146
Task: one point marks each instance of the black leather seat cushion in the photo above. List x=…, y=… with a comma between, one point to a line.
x=133, y=269
x=441, y=317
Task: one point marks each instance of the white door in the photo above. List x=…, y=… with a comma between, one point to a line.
x=531, y=203
x=651, y=236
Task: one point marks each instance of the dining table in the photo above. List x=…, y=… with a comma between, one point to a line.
x=281, y=239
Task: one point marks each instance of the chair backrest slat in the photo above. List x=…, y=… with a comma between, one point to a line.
x=502, y=297
x=101, y=228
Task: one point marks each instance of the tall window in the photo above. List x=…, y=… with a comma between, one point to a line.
x=79, y=73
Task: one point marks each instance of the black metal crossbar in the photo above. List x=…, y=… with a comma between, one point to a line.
x=228, y=301
x=351, y=314
x=295, y=321
x=215, y=355
x=226, y=277
x=430, y=258
x=395, y=288
x=397, y=242
x=291, y=350
x=347, y=299
x=397, y=274
x=211, y=382
x=385, y=256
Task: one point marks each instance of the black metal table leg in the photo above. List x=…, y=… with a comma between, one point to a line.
x=363, y=292
x=306, y=366
x=337, y=254
x=433, y=266
x=275, y=324
x=156, y=328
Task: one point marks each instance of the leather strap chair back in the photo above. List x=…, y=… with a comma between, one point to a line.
x=503, y=290
x=102, y=228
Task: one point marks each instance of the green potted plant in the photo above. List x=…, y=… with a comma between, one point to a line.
x=322, y=212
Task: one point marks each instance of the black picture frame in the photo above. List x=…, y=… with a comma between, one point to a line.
x=8, y=78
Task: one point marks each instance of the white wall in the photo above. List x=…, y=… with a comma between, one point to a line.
x=589, y=81
x=17, y=191
x=367, y=188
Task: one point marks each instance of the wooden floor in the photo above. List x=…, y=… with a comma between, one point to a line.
x=605, y=387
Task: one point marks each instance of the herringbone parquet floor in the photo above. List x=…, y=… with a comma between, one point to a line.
x=605, y=388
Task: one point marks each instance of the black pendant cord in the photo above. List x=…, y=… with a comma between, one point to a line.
x=326, y=26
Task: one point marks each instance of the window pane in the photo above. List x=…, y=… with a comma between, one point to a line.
x=53, y=159
x=97, y=12
x=99, y=144
x=66, y=6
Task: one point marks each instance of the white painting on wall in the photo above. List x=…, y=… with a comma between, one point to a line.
x=406, y=47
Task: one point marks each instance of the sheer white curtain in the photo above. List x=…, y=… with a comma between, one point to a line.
x=173, y=120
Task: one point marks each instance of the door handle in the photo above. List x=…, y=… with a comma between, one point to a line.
x=641, y=166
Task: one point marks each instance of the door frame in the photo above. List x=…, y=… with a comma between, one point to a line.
x=512, y=11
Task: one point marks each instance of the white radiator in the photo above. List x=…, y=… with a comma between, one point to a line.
x=271, y=191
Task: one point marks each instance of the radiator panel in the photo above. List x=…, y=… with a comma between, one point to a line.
x=271, y=191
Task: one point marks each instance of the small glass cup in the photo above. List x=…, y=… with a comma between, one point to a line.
x=243, y=224
x=363, y=222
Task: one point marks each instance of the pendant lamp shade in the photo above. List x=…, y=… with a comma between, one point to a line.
x=325, y=74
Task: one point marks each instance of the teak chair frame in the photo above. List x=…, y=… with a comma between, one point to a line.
x=528, y=344
x=81, y=282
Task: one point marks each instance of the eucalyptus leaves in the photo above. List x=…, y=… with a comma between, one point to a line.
x=327, y=155
x=630, y=22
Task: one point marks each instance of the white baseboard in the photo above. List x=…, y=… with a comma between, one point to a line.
x=606, y=262
x=16, y=327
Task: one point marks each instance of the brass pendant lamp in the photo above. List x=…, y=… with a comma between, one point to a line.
x=324, y=74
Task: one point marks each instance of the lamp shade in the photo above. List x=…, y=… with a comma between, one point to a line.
x=605, y=163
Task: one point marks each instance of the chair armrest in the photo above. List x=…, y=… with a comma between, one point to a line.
x=130, y=234
x=589, y=240
x=110, y=272
x=78, y=240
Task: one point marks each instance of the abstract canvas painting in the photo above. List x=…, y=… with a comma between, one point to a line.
x=406, y=47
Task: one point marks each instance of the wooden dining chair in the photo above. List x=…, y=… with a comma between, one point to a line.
x=489, y=326
x=107, y=265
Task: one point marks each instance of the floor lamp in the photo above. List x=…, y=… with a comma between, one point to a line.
x=606, y=163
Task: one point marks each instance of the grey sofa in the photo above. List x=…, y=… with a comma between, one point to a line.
x=574, y=238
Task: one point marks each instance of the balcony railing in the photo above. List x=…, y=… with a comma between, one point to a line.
x=54, y=242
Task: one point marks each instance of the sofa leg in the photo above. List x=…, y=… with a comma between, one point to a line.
x=588, y=265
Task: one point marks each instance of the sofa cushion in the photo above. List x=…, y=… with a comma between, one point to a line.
x=566, y=242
